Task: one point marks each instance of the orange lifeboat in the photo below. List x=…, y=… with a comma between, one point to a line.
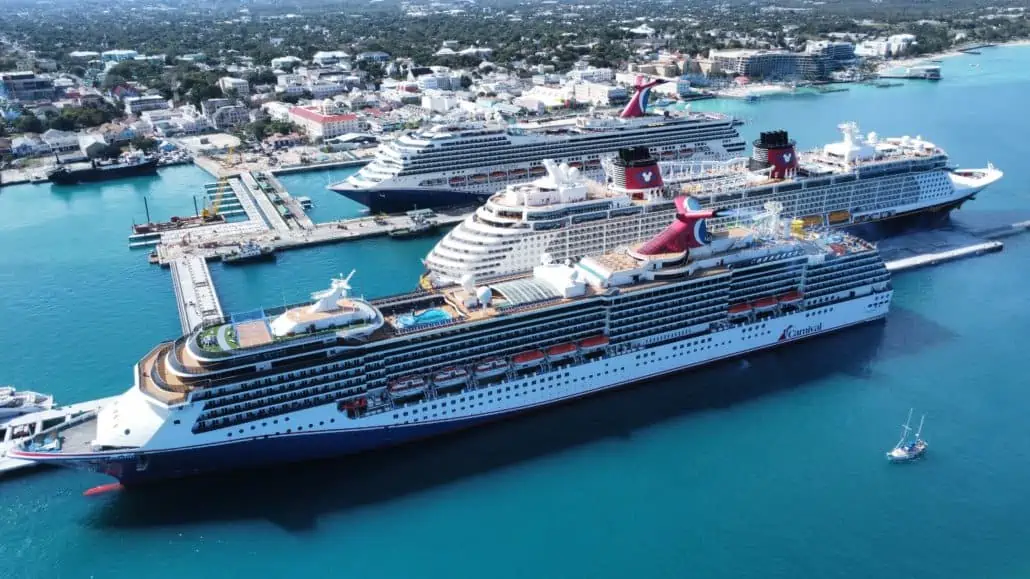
x=739, y=310
x=515, y=173
x=668, y=154
x=498, y=175
x=538, y=171
x=766, y=304
x=593, y=163
x=478, y=178
x=527, y=359
x=457, y=180
x=791, y=298
x=593, y=344
x=561, y=351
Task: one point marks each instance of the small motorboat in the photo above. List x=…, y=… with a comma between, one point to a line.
x=909, y=449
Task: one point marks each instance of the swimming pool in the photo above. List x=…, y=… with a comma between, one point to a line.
x=425, y=317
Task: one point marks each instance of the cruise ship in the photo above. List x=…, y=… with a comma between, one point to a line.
x=859, y=179
x=464, y=163
x=343, y=374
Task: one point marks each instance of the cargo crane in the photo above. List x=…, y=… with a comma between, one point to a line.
x=223, y=183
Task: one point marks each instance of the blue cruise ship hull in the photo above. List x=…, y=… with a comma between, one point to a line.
x=406, y=199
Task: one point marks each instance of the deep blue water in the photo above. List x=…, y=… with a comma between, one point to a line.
x=770, y=466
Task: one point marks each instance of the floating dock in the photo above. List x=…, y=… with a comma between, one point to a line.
x=194, y=293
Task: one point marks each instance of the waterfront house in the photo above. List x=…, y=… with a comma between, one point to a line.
x=61, y=141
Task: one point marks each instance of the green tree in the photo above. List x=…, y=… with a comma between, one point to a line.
x=143, y=143
x=29, y=124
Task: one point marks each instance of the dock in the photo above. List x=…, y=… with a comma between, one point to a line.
x=194, y=293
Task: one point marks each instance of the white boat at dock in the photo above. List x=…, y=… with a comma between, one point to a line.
x=14, y=403
x=42, y=422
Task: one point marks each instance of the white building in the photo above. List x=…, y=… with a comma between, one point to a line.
x=591, y=74
x=138, y=104
x=550, y=97
x=439, y=102
x=118, y=55
x=330, y=57
x=285, y=62
x=322, y=89
x=439, y=81
x=277, y=111
x=322, y=122
x=599, y=94
x=237, y=86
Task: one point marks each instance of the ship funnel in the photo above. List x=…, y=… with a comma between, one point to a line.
x=774, y=149
x=637, y=105
x=688, y=231
x=635, y=172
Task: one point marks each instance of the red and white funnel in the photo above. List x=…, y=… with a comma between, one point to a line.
x=687, y=232
x=637, y=105
x=635, y=172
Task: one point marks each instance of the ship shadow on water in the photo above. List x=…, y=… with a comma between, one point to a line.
x=294, y=497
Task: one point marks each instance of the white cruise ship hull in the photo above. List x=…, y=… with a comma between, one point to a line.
x=325, y=431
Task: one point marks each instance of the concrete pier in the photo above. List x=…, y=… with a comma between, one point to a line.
x=194, y=292
x=927, y=259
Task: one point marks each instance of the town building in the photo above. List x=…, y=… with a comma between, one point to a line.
x=224, y=113
x=831, y=49
x=118, y=55
x=137, y=104
x=285, y=62
x=61, y=141
x=26, y=86
x=322, y=121
x=591, y=74
x=598, y=94
x=234, y=86
x=373, y=56
x=328, y=58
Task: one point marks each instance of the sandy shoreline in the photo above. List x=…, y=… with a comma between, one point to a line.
x=900, y=62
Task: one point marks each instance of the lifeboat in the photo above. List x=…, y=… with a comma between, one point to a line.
x=840, y=216
x=561, y=352
x=537, y=171
x=766, y=304
x=354, y=406
x=527, y=359
x=791, y=298
x=812, y=220
x=668, y=154
x=518, y=172
x=593, y=163
x=739, y=310
x=686, y=152
x=498, y=176
x=576, y=165
x=478, y=178
x=593, y=344
x=450, y=377
x=457, y=180
x=407, y=387
x=490, y=367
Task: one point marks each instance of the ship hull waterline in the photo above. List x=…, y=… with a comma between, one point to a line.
x=300, y=447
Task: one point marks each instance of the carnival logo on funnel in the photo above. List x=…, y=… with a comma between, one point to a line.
x=792, y=333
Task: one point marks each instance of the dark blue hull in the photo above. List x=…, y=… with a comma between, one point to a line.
x=401, y=200
x=138, y=468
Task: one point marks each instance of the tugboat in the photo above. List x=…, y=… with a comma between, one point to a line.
x=421, y=224
x=249, y=251
x=908, y=449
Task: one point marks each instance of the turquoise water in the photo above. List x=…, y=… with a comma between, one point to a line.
x=327, y=206
x=433, y=316
x=770, y=466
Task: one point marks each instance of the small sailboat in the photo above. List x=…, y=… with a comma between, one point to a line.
x=908, y=449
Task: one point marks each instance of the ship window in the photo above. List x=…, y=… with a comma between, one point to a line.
x=176, y=421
